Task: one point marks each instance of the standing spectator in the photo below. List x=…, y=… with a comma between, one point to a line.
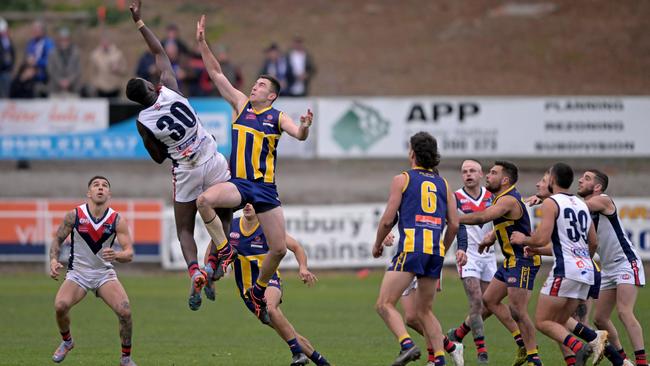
x=171, y=37
x=38, y=48
x=277, y=66
x=64, y=67
x=302, y=67
x=147, y=68
x=108, y=67
x=7, y=59
x=200, y=83
x=24, y=84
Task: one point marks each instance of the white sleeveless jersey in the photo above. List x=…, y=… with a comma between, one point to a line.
x=175, y=123
x=89, y=236
x=569, y=240
x=614, y=246
x=475, y=233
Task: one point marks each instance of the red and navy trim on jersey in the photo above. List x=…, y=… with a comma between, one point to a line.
x=93, y=237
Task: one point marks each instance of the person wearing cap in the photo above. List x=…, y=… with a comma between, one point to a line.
x=64, y=67
x=7, y=59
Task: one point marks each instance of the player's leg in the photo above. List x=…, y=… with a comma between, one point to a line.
x=495, y=292
x=282, y=326
x=185, y=216
x=551, y=315
x=114, y=295
x=69, y=294
x=519, y=298
x=474, y=294
x=215, y=266
x=424, y=296
x=408, y=303
x=602, y=316
x=626, y=295
x=221, y=195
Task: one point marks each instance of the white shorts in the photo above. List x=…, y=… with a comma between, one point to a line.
x=565, y=287
x=91, y=280
x=483, y=269
x=628, y=273
x=189, y=183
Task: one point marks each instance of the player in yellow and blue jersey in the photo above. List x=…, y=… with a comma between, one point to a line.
x=516, y=276
x=255, y=135
x=422, y=204
x=247, y=236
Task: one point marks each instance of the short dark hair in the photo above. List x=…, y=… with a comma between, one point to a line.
x=600, y=177
x=425, y=148
x=136, y=90
x=563, y=175
x=275, y=83
x=509, y=169
x=98, y=177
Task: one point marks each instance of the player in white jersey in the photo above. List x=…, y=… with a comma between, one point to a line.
x=93, y=228
x=621, y=267
x=170, y=128
x=565, y=223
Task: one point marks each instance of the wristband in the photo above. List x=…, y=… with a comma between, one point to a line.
x=139, y=24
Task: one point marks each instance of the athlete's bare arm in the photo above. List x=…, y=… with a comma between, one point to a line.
x=387, y=220
x=65, y=228
x=487, y=241
x=300, y=132
x=236, y=98
x=546, y=250
x=592, y=240
x=301, y=257
x=601, y=204
x=167, y=75
x=452, y=228
x=155, y=148
x=542, y=236
x=126, y=242
x=505, y=206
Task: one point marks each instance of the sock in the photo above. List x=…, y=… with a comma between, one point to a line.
x=613, y=356
x=432, y=355
x=259, y=289
x=573, y=343
x=640, y=357
x=406, y=342
x=294, y=346
x=192, y=266
x=223, y=246
x=570, y=360
x=532, y=356
x=318, y=359
x=449, y=345
x=585, y=333
x=126, y=350
x=66, y=336
x=440, y=359
x=480, y=345
x=622, y=353
x=212, y=261
x=462, y=331
x=517, y=337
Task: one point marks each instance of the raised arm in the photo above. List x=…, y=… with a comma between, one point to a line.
x=167, y=75
x=301, y=257
x=387, y=220
x=55, y=248
x=233, y=96
x=300, y=132
x=503, y=206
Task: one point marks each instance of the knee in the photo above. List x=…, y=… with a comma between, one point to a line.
x=61, y=307
x=273, y=311
x=539, y=324
x=278, y=252
x=412, y=320
x=203, y=202
x=624, y=314
x=600, y=321
x=124, y=311
x=476, y=306
x=381, y=307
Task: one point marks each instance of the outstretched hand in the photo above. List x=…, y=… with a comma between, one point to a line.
x=200, y=29
x=135, y=10
x=307, y=119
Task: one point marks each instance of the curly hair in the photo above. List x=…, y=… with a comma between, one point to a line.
x=425, y=148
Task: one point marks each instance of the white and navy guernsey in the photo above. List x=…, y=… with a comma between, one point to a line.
x=474, y=234
x=569, y=239
x=614, y=246
x=89, y=236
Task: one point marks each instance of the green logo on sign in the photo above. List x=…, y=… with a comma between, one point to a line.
x=360, y=126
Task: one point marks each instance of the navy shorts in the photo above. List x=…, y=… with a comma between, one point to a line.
x=520, y=276
x=594, y=290
x=420, y=264
x=263, y=196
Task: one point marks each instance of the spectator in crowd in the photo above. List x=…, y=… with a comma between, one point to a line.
x=276, y=65
x=64, y=67
x=25, y=84
x=147, y=68
x=200, y=83
x=38, y=48
x=7, y=59
x=302, y=66
x=171, y=37
x=179, y=65
x=108, y=68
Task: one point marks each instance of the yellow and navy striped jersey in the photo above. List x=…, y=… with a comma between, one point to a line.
x=255, y=137
x=422, y=212
x=504, y=227
x=252, y=248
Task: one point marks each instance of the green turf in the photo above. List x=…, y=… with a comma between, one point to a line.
x=337, y=316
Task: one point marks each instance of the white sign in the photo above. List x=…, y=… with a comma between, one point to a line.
x=52, y=116
x=288, y=146
x=480, y=127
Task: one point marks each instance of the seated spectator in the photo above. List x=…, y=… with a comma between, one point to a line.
x=108, y=68
x=24, y=85
x=7, y=59
x=38, y=48
x=277, y=66
x=302, y=67
x=64, y=67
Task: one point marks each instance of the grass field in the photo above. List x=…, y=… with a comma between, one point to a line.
x=337, y=316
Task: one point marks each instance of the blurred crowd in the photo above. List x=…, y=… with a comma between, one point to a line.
x=53, y=67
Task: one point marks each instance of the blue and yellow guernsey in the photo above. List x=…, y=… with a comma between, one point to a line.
x=252, y=248
x=504, y=227
x=423, y=212
x=255, y=136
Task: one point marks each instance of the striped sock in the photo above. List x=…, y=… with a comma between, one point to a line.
x=432, y=355
x=613, y=356
x=318, y=359
x=66, y=336
x=294, y=346
x=440, y=359
x=480, y=345
x=258, y=290
x=532, y=357
x=212, y=261
x=462, y=331
x=406, y=342
x=224, y=249
x=622, y=353
x=573, y=343
x=584, y=332
x=192, y=266
x=449, y=345
x=516, y=335
x=126, y=350
x=640, y=357
x=570, y=360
